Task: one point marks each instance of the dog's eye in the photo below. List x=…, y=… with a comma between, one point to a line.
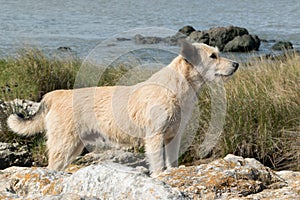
x=213, y=56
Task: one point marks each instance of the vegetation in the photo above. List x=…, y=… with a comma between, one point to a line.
x=30, y=75
x=262, y=117
x=265, y=123
x=263, y=113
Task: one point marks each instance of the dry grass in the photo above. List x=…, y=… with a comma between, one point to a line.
x=263, y=114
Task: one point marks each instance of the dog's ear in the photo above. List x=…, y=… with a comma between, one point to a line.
x=190, y=53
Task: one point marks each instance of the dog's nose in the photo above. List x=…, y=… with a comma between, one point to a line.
x=235, y=65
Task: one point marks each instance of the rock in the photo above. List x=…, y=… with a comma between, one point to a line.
x=113, y=155
x=139, y=39
x=186, y=30
x=104, y=181
x=289, y=191
x=232, y=177
x=34, y=182
x=225, y=178
x=25, y=106
x=199, y=36
x=64, y=48
x=171, y=40
x=121, y=39
x=66, y=197
x=220, y=36
x=236, y=39
x=175, y=39
x=114, y=181
x=281, y=45
x=14, y=155
x=244, y=43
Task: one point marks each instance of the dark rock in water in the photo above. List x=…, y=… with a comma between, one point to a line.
x=282, y=45
x=257, y=41
x=236, y=39
x=123, y=39
x=220, y=36
x=175, y=39
x=14, y=155
x=265, y=40
x=171, y=40
x=187, y=30
x=243, y=43
x=199, y=36
x=64, y=49
x=139, y=39
x=217, y=37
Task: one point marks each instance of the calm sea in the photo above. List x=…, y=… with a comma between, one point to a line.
x=83, y=24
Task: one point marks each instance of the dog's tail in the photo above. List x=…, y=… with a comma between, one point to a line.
x=28, y=126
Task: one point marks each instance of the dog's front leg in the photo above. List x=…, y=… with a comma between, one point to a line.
x=155, y=153
x=172, y=146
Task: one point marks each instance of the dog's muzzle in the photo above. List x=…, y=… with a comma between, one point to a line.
x=235, y=66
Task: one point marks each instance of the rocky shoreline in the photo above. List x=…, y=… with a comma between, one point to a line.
x=227, y=39
x=119, y=174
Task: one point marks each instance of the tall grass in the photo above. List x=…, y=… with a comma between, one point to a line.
x=263, y=119
x=263, y=104
x=30, y=75
x=263, y=114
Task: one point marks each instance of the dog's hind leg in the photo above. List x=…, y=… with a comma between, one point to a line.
x=73, y=152
x=62, y=151
x=76, y=151
x=155, y=153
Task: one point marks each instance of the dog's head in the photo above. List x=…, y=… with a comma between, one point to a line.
x=207, y=61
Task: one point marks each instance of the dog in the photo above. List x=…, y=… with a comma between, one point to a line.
x=152, y=113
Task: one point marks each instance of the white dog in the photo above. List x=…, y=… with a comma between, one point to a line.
x=153, y=112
